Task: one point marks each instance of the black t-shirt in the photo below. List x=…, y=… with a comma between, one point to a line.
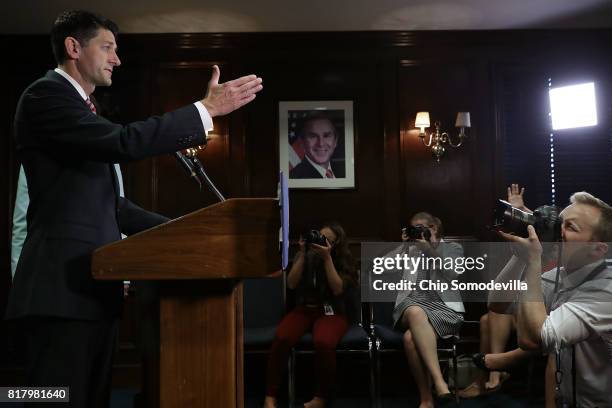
x=313, y=288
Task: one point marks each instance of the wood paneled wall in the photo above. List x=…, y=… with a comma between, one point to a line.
x=389, y=76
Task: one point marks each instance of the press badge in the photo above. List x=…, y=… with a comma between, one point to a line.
x=329, y=310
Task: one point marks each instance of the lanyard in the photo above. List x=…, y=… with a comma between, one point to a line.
x=560, y=400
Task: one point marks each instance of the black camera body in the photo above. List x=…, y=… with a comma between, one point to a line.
x=417, y=231
x=545, y=220
x=314, y=237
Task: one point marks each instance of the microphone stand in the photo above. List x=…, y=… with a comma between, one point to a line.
x=201, y=173
x=188, y=166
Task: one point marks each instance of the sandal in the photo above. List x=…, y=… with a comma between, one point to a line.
x=471, y=391
x=503, y=377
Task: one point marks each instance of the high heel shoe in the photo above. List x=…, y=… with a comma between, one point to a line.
x=447, y=396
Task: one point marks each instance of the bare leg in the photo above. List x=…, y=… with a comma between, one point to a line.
x=500, y=326
x=269, y=402
x=503, y=361
x=485, y=345
x=316, y=402
x=477, y=387
x=420, y=374
x=425, y=339
x=550, y=382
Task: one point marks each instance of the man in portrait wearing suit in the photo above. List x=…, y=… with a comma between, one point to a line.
x=319, y=139
x=67, y=151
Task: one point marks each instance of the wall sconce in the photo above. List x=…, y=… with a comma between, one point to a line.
x=437, y=139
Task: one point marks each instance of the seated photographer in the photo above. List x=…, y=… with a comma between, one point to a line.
x=426, y=315
x=495, y=330
x=321, y=272
x=570, y=318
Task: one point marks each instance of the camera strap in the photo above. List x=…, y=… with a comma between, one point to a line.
x=307, y=265
x=560, y=399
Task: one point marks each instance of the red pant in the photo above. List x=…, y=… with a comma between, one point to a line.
x=326, y=331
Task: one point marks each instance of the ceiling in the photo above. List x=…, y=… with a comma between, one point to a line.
x=164, y=16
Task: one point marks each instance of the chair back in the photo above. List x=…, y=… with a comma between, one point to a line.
x=382, y=313
x=264, y=302
x=352, y=305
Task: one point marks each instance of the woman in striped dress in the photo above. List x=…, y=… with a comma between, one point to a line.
x=426, y=315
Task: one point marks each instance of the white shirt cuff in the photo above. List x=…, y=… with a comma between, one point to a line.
x=207, y=122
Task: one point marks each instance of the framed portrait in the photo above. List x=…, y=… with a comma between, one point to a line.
x=316, y=143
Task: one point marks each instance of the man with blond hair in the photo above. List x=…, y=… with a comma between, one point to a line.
x=569, y=316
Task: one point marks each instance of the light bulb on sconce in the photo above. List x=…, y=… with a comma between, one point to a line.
x=436, y=139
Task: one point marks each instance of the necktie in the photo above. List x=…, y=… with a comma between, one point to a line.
x=91, y=106
x=116, y=167
x=329, y=174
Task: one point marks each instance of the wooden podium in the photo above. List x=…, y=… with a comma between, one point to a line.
x=198, y=261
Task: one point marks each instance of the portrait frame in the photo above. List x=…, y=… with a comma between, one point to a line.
x=293, y=116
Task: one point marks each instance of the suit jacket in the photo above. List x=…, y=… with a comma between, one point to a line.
x=305, y=170
x=67, y=153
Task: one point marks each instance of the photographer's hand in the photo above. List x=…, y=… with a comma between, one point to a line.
x=532, y=311
x=423, y=245
x=333, y=278
x=295, y=273
x=515, y=197
x=302, y=245
x=323, y=251
x=528, y=249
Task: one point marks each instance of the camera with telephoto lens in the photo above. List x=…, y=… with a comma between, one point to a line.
x=545, y=220
x=315, y=237
x=418, y=231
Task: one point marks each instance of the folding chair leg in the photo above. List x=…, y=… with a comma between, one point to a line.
x=372, y=377
x=377, y=375
x=455, y=371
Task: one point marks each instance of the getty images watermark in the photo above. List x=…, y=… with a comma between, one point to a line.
x=471, y=269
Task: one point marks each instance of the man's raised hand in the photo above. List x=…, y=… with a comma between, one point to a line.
x=226, y=97
x=515, y=197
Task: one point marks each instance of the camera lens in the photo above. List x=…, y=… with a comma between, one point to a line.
x=545, y=220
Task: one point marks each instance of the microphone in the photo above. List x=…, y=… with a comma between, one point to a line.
x=187, y=165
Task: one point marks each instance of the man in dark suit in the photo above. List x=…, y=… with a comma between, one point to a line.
x=320, y=139
x=67, y=151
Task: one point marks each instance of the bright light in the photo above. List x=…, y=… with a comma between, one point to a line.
x=573, y=106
